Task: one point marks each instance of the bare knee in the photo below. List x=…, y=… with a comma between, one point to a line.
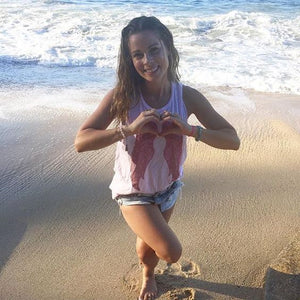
x=173, y=254
x=144, y=252
x=170, y=253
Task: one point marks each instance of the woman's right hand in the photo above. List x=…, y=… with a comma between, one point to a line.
x=146, y=122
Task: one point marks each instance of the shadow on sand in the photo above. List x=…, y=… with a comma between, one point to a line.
x=193, y=288
x=11, y=234
x=281, y=285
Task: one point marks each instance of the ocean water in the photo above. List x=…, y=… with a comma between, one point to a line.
x=51, y=49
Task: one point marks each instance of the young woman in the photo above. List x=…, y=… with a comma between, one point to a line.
x=150, y=108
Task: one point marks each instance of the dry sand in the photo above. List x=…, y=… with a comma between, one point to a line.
x=61, y=235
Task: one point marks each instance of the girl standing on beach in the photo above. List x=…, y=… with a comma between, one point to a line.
x=151, y=108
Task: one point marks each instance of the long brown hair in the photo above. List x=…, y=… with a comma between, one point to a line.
x=127, y=87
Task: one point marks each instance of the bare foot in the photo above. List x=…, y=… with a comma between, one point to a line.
x=149, y=287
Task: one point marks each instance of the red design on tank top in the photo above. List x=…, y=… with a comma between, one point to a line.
x=143, y=152
x=141, y=155
x=173, y=150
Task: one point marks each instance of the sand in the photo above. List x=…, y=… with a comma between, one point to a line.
x=62, y=237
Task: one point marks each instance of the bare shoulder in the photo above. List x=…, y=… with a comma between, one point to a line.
x=191, y=93
x=197, y=104
x=101, y=117
x=194, y=100
x=108, y=98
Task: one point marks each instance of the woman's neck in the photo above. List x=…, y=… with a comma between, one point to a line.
x=156, y=95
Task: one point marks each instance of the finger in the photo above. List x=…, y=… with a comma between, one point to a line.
x=152, y=112
x=174, y=116
x=170, y=116
x=165, y=114
x=149, y=111
x=150, y=118
x=175, y=120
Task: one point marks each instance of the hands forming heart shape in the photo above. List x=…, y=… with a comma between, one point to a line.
x=161, y=128
x=151, y=122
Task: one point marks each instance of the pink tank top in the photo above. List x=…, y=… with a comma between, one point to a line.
x=146, y=163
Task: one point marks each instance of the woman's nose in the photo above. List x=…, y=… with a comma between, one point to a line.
x=147, y=58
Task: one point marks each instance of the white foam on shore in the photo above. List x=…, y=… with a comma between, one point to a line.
x=21, y=103
x=232, y=100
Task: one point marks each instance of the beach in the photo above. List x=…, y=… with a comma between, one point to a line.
x=62, y=236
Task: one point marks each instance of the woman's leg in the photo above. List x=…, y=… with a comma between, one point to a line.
x=149, y=260
x=148, y=223
x=155, y=240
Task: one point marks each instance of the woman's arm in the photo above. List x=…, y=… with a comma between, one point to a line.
x=218, y=132
x=92, y=134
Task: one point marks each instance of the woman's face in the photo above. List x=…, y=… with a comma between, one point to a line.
x=149, y=56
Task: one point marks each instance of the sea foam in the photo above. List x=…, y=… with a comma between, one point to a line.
x=221, y=45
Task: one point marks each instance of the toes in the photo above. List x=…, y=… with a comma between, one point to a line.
x=148, y=297
x=151, y=296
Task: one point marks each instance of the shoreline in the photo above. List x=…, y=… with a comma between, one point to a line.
x=63, y=237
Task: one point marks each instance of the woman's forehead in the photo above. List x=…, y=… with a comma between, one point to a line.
x=143, y=39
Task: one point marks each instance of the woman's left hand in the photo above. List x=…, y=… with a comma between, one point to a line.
x=173, y=124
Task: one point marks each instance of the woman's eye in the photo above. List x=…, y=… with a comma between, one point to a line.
x=154, y=50
x=138, y=55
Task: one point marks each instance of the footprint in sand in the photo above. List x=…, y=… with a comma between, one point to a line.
x=132, y=279
x=183, y=294
x=172, y=280
x=184, y=267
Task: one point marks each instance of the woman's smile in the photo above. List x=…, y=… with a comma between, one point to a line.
x=151, y=70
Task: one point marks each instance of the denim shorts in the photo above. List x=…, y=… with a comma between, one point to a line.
x=165, y=199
